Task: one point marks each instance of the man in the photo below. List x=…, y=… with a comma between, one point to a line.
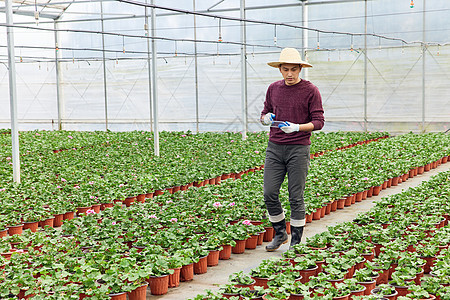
x=293, y=108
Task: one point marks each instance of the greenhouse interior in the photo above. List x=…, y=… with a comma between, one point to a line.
x=225, y=149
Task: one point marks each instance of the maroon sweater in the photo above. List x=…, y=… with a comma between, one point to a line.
x=300, y=103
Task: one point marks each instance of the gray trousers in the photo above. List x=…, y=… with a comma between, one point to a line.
x=293, y=160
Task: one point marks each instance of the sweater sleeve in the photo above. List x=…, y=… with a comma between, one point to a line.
x=316, y=110
x=267, y=103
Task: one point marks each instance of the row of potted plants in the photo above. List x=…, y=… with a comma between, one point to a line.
x=349, y=250
x=47, y=142
x=122, y=165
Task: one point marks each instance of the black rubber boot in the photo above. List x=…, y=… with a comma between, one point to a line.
x=296, y=236
x=280, y=238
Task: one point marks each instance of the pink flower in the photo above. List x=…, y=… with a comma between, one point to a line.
x=70, y=137
x=77, y=187
x=121, y=185
x=63, y=180
x=91, y=182
x=228, y=152
x=256, y=151
x=3, y=189
x=247, y=222
x=92, y=197
x=217, y=204
x=365, y=178
x=169, y=201
x=183, y=135
x=232, y=204
x=8, y=158
x=231, y=141
x=113, y=223
x=152, y=217
x=107, y=155
x=173, y=220
x=58, y=187
x=90, y=211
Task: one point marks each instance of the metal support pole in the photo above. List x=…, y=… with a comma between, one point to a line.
x=104, y=67
x=59, y=96
x=305, y=35
x=155, y=82
x=365, y=65
x=424, y=49
x=12, y=93
x=149, y=68
x=196, y=72
x=244, y=73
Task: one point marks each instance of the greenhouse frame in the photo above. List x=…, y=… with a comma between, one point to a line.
x=140, y=158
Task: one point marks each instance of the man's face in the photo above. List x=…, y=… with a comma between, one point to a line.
x=290, y=73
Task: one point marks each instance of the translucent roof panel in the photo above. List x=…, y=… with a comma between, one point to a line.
x=47, y=9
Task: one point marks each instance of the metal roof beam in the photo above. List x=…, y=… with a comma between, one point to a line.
x=31, y=14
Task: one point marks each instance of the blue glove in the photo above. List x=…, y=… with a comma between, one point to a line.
x=268, y=119
x=289, y=127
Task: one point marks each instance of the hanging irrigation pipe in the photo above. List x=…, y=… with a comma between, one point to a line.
x=173, y=39
x=138, y=36
x=167, y=55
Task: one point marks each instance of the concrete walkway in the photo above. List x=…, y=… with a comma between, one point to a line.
x=252, y=258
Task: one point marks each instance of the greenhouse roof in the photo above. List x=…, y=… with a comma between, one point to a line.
x=46, y=8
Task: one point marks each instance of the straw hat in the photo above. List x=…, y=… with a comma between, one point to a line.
x=289, y=56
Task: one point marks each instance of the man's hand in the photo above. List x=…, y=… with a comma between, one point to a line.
x=289, y=127
x=268, y=119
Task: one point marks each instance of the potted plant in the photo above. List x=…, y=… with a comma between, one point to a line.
x=230, y=290
x=367, y=278
x=431, y=284
x=340, y=291
x=264, y=271
x=416, y=292
x=354, y=287
x=257, y=293
x=306, y=267
x=444, y=293
x=400, y=280
x=385, y=290
x=277, y=293
x=298, y=290
x=210, y=295
x=317, y=242
x=240, y=279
